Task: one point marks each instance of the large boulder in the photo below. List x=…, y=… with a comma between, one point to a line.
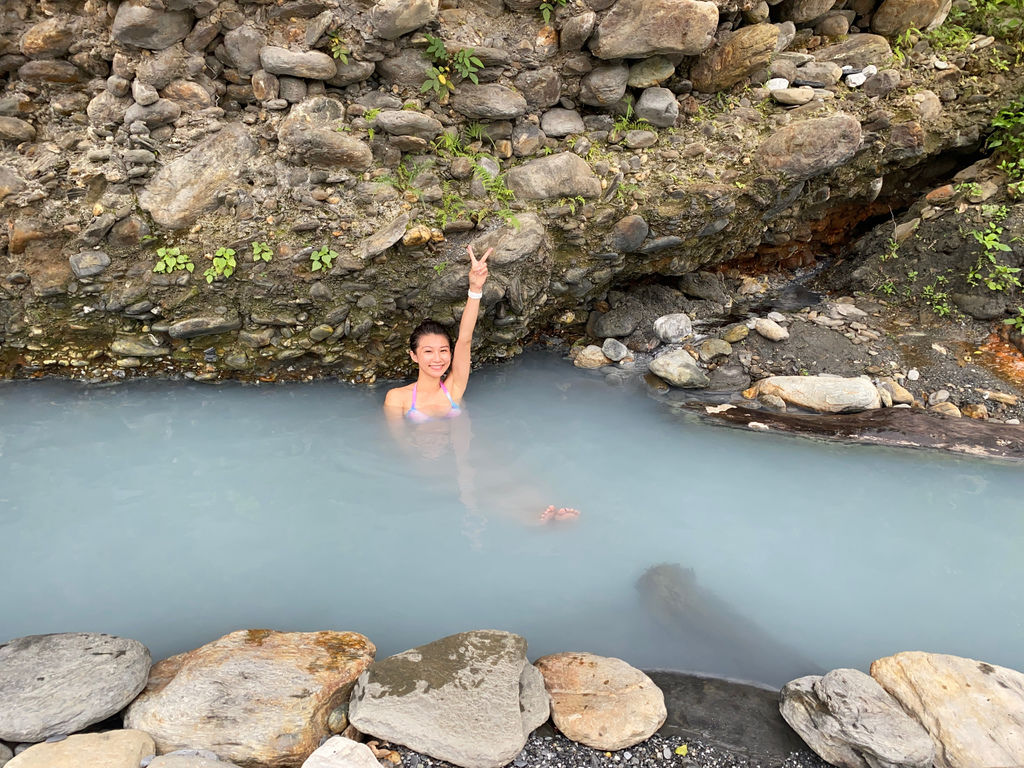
x=679, y=369
x=824, y=394
x=488, y=102
x=194, y=183
x=138, y=25
x=254, y=697
x=393, y=18
x=736, y=56
x=112, y=749
x=56, y=684
x=604, y=86
x=513, y=243
x=801, y=11
x=312, y=65
x=857, y=51
x=809, y=148
x=602, y=702
x=308, y=134
x=850, y=721
x=404, y=122
x=971, y=709
x=471, y=699
x=895, y=17
x=560, y=175
x=642, y=28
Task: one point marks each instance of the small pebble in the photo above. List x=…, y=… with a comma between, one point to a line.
x=913, y=374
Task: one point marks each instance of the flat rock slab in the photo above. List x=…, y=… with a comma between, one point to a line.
x=824, y=394
x=892, y=426
x=57, y=684
x=972, y=710
x=848, y=719
x=113, y=749
x=600, y=701
x=471, y=699
x=254, y=697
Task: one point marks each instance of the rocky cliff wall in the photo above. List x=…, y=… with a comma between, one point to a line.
x=595, y=143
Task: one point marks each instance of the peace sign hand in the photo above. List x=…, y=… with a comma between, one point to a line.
x=478, y=269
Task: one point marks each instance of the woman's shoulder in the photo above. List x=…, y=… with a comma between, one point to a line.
x=399, y=397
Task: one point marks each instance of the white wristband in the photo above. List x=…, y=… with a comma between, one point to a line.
x=473, y=295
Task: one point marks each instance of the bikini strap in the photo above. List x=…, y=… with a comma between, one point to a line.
x=412, y=405
x=448, y=395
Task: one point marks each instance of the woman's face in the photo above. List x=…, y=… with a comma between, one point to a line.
x=433, y=354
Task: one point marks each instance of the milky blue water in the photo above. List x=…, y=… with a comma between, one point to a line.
x=174, y=513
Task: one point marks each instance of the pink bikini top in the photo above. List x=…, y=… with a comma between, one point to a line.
x=418, y=416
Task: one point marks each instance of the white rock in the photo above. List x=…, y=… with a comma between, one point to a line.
x=770, y=329
x=778, y=317
x=672, y=329
x=856, y=80
x=913, y=374
x=824, y=394
x=777, y=83
x=869, y=70
x=339, y=752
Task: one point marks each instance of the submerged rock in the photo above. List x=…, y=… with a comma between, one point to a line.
x=848, y=719
x=252, y=697
x=56, y=684
x=471, y=699
x=824, y=394
x=602, y=702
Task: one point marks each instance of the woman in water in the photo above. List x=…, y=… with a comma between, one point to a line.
x=433, y=396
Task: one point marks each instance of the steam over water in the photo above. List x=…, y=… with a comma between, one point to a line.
x=175, y=513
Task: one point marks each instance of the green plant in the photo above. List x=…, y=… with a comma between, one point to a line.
x=626, y=122
x=950, y=36
x=452, y=208
x=997, y=212
x=223, y=265
x=339, y=49
x=466, y=64
x=1018, y=321
x=892, y=248
x=474, y=131
x=547, y=8
x=436, y=49
x=371, y=114
x=936, y=299
x=323, y=258
x=903, y=43
x=494, y=184
x=462, y=62
x=969, y=188
x=572, y=202
x=261, y=251
x=988, y=269
x=888, y=288
x=440, y=267
x=172, y=260
x=1007, y=140
x=449, y=144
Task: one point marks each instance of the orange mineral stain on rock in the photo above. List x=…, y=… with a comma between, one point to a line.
x=1001, y=357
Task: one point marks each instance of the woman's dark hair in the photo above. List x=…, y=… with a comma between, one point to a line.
x=426, y=328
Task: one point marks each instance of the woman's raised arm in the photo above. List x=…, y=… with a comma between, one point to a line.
x=459, y=376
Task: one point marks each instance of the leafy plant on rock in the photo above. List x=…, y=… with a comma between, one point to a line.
x=1007, y=140
x=462, y=63
x=261, y=251
x=548, y=7
x=223, y=265
x=323, y=258
x=339, y=49
x=1017, y=322
x=172, y=260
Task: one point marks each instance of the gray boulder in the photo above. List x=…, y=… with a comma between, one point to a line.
x=488, y=102
x=560, y=122
x=800, y=11
x=540, y=87
x=628, y=234
x=849, y=720
x=242, y=46
x=823, y=394
x=679, y=369
x=106, y=110
x=894, y=17
x=404, y=122
x=15, y=129
x=735, y=57
x=810, y=148
x=648, y=73
x=560, y=175
x=89, y=263
x=384, y=238
x=393, y=18
x=673, y=328
x=704, y=285
x=409, y=67
x=857, y=51
x=160, y=112
x=658, y=106
x=192, y=184
x=576, y=30
x=352, y=72
x=308, y=133
x=138, y=25
x=604, y=86
x=313, y=65
x=641, y=28
x=59, y=684
x=512, y=244
x=471, y=699
x=206, y=325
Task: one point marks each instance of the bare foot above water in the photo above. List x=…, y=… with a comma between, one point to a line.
x=561, y=513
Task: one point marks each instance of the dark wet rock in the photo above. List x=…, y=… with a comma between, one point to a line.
x=46, y=71
x=128, y=231
x=136, y=24
x=679, y=369
x=242, y=46
x=857, y=51
x=309, y=134
x=471, y=699
x=734, y=57
x=59, y=684
x=894, y=17
x=160, y=112
x=641, y=28
x=628, y=234
x=658, y=106
x=604, y=86
x=987, y=306
x=191, y=327
x=848, y=719
x=809, y=148
x=560, y=122
x=14, y=129
x=729, y=378
x=404, y=122
x=540, y=87
x=561, y=175
x=203, y=33
x=265, y=86
x=89, y=263
x=488, y=102
x=192, y=184
x=704, y=285
x=313, y=65
x=511, y=243
x=576, y=30
x=618, y=322
x=393, y=18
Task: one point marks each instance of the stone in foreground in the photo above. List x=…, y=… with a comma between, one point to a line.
x=972, y=710
x=824, y=394
x=457, y=699
x=53, y=684
x=339, y=752
x=850, y=721
x=112, y=749
x=254, y=697
x=679, y=369
x=600, y=701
